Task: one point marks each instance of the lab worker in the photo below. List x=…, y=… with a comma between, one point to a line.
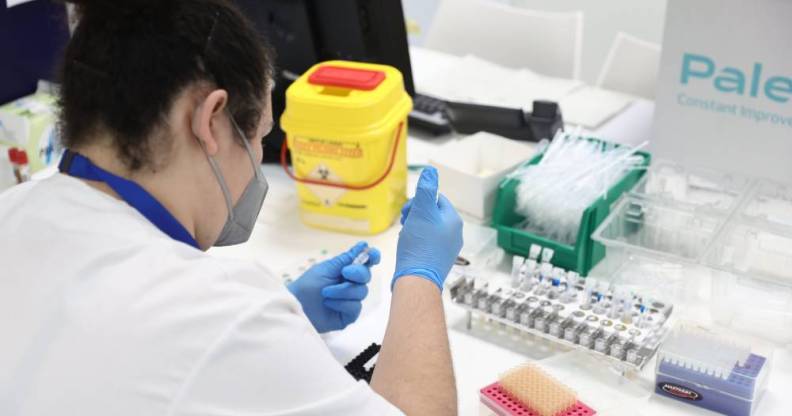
x=109, y=304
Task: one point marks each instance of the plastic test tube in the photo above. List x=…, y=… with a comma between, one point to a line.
x=363, y=257
x=588, y=290
x=642, y=318
x=616, y=303
x=530, y=268
x=547, y=255
x=570, y=294
x=546, y=272
x=534, y=252
x=558, y=279
x=545, y=276
x=516, y=272
x=528, y=274
x=599, y=305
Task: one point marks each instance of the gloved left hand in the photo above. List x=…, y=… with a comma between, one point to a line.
x=331, y=292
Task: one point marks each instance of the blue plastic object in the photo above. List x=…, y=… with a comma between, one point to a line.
x=733, y=395
x=703, y=370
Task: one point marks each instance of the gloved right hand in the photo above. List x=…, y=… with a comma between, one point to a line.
x=431, y=236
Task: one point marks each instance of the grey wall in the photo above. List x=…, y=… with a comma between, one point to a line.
x=602, y=20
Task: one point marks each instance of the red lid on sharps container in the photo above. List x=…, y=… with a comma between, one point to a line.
x=12, y=155
x=354, y=78
x=22, y=157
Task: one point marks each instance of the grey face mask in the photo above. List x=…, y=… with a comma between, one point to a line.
x=242, y=216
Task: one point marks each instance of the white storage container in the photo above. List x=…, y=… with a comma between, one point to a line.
x=471, y=168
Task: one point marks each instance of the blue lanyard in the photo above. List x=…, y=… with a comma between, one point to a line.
x=79, y=166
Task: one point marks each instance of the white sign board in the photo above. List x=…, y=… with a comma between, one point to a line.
x=724, y=97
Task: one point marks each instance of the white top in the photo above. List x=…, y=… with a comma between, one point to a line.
x=103, y=314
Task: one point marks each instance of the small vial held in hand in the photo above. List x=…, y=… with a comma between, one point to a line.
x=362, y=258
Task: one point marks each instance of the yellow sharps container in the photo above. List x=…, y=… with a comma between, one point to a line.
x=346, y=127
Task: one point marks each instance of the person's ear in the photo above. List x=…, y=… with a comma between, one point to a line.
x=206, y=115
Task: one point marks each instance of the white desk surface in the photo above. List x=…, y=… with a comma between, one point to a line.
x=280, y=240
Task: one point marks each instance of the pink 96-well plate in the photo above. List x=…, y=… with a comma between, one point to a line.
x=497, y=400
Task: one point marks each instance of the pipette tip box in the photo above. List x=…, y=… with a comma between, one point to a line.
x=709, y=370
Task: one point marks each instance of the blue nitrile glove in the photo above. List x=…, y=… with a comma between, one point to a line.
x=331, y=292
x=431, y=236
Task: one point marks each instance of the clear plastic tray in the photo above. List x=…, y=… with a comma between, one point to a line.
x=752, y=281
x=671, y=280
x=652, y=229
x=752, y=306
x=734, y=233
x=692, y=187
x=755, y=251
x=770, y=203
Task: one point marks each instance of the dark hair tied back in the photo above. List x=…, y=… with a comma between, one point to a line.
x=129, y=59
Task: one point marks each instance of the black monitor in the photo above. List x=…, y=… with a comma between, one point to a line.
x=304, y=32
x=32, y=38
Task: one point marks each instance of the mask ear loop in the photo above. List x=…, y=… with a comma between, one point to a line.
x=220, y=180
x=215, y=168
x=245, y=143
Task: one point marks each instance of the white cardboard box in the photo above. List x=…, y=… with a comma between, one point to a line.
x=472, y=167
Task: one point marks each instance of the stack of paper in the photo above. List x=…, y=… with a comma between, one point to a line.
x=427, y=64
x=474, y=80
x=591, y=106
